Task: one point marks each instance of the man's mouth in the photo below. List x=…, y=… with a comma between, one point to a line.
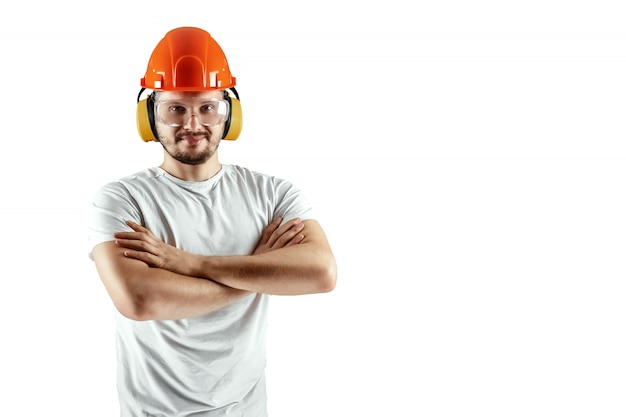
x=192, y=139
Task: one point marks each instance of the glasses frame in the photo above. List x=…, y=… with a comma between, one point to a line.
x=223, y=118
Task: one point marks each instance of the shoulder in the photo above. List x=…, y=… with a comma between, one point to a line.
x=285, y=198
x=128, y=185
x=243, y=172
x=249, y=176
x=145, y=175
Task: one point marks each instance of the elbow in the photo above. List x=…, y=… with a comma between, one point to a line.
x=327, y=277
x=134, y=307
x=134, y=314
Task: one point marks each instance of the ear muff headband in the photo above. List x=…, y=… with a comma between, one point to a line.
x=146, y=125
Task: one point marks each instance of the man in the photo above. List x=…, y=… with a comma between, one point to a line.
x=190, y=251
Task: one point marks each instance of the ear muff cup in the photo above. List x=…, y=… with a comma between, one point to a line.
x=146, y=125
x=145, y=119
x=233, y=126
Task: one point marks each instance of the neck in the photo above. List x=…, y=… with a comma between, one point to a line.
x=186, y=172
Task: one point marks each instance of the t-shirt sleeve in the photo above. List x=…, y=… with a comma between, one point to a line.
x=112, y=205
x=291, y=202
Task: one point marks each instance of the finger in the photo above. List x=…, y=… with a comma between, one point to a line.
x=286, y=237
x=299, y=237
x=138, y=245
x=269, y=229
x=139, y=228
x=146, y=257
x=285, y=232
x=142, y=240
x=131, y=235
x=284, y=228
x=136, y=226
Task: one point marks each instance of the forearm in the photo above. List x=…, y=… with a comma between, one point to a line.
x=164, y=295
x=293, y=258
x=288, y=271
x=140, y=292
x=306, y=268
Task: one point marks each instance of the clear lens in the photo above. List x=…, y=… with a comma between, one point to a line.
x=177, y=113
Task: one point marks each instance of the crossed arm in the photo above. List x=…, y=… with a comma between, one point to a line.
x=147, y=279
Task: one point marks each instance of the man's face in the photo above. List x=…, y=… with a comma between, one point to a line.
x=189, y=124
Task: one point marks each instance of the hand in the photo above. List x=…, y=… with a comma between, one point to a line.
x=276, y=236
x=143, y=245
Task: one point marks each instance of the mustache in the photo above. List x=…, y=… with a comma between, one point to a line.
x=182, y=135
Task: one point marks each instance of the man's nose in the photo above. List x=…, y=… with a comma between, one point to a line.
x=192, y=123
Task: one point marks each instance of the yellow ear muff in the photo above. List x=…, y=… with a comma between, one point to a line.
x=236, y=121
x=143, y=121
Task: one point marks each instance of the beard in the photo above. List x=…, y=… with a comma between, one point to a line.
x=191, y=158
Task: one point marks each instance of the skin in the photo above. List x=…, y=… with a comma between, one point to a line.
x=148, y=279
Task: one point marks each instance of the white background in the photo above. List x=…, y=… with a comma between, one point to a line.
x=466, y=159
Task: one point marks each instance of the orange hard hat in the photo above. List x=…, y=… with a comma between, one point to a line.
x=188, y=59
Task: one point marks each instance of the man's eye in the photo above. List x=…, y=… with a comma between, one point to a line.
x=207, y=108
x=178, y=109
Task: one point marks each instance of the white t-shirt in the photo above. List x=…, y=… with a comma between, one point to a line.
x=211, y=365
